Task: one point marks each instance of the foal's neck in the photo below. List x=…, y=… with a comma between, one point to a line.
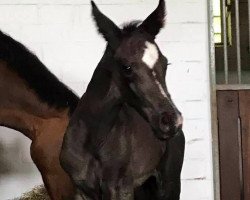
x=102, y=102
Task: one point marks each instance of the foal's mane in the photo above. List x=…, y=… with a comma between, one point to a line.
x=45, y=84
x=129, y=27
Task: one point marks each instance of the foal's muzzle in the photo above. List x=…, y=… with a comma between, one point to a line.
x=170, y=124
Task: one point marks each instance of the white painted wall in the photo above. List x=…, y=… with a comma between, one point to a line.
x=63, y=35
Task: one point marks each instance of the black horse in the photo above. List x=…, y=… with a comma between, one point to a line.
x=124, y=141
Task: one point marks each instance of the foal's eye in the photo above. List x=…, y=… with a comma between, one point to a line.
x=127, y=70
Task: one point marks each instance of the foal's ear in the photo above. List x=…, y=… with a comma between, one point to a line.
x=106, y=27
x=155, y=21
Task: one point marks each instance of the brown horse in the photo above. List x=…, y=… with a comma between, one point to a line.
x=34, y=102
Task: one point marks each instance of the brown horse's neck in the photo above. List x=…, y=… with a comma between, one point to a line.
x=20, y=107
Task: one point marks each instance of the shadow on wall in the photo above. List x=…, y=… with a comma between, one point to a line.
x=14, y=158
x=18, y=174
x=5, y=165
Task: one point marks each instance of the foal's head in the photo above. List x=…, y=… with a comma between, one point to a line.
x=142, y=68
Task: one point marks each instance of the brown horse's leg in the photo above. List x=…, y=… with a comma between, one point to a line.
x=56, y=181
x=57, y=187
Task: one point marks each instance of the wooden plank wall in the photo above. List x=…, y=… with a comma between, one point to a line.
x=228, y=113
x=244, y=105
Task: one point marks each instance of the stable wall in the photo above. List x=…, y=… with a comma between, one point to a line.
x=62, y=34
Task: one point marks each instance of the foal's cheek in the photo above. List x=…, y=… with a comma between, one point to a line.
x=132, y=87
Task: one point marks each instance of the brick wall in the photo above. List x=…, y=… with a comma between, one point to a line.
x=63, y=36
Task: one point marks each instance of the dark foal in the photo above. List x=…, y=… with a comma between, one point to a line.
x=118, y=136
x=34, y=102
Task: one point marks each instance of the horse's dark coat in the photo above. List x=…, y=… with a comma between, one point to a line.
x=112, y=145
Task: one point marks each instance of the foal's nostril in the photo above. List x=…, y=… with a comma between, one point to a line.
x=166, y=118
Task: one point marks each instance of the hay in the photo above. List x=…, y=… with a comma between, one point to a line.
x=37, y=193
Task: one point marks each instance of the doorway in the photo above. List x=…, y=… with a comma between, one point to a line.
x=231, y=92
x=234, y=143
